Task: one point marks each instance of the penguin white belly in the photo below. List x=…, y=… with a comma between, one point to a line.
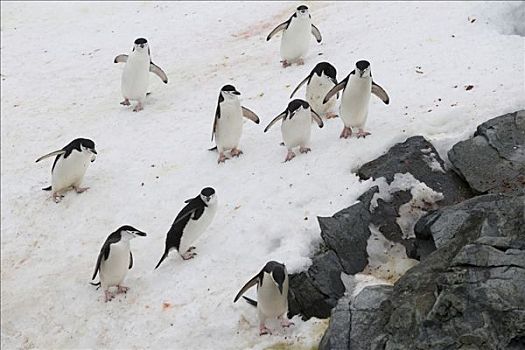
x=135, y=78
x=195, y=228
x=296, y=39
x=229, y=126
x=296, y=131
x=114, y=269
x=70, y=171
x=316, y=92
x=270, y=302
x=355, y=101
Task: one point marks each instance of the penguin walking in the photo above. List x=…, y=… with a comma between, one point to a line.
x=115, y=259
x=296, y=126
x=295, y=41
x=357, y=88
x=69, y=167
x=272, y=295
x=135, y=77
x=190, y=223
x=318, y=83
x=227, y=125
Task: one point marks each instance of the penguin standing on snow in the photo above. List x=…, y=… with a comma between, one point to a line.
x=190, y=223
x=227, y=125
x=318, y=83
x=358, y=86
x=295, y=41
x=115, y=259
x=69, y=167
x=296, y=126
x=135, y=77
x=272, y=294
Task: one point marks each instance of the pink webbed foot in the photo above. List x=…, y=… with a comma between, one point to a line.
x=331, y=115
x=285, y=323
x=125, y=102
x=222, y=158
x=263, y=330
x=286, y=64
x=304, y=149
x=300, y=62
x=138, y=107
x=80, y=189
x=122, y=289
x=289, y=156
x=57, y=197
x=362, y=133
x=235, y=152
x=108, y=296
x=346, y=133
x=188, y=255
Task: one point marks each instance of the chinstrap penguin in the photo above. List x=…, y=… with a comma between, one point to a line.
x=135, y=77
x=272, y=295
x=115, y=259
x=358, y=86
x=190, y=223
x=318, y=83
x=295, y=41
x=228, y=123
x=69, y=167
x=296, y=126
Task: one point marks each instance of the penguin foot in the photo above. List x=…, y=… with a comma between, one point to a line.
x=346, y=133
x=362, y=133
x=122, y=289
x=138, y=107
x=222, y=158
x=125, y=102
x=235, y=152
x=286, y=63
x=80, y=189
x=263, y=330
x=289, y=156
x=331, y=115
x=57, y=197
x=108, y=295
x=188, y=255
x=304, y=149
x=191, y=248
x=300, y=62
x=285, y=323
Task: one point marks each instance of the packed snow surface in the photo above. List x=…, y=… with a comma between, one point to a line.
x=59, y=82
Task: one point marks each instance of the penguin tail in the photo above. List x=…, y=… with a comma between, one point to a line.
x=96, y=284
x=162, y=259
x=47, y=188
x=212, y=149
x=250, y=301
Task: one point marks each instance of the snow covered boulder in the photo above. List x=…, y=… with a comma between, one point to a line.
x=493, y=160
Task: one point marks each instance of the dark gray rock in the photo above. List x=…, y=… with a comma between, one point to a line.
x=366, y=198
x=493, y=161
x=337, y=336
x=306, y=300
x=325, y=274
x=346, y=233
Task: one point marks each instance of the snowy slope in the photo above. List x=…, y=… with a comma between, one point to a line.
x=59, y=82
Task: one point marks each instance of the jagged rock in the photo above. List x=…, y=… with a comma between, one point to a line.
x=306, y=300
x=493, y=161
x=325, y=274
x=337, y=336
x=346, y=233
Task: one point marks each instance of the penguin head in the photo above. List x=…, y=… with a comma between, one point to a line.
x=363, y=69
x=87, y=146
x=278, y=275
x=141, y=45
x=295, y=106
x=302, y=11
x=129, y=232
x=208, y=195
x=325, y=68
x=229, y=92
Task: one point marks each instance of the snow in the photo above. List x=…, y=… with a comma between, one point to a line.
x=59, y=82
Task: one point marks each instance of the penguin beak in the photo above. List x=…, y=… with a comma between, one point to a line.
x=280, y=286
x=236, y=93
x=142, y=45
x=93, y=151
x=140, y=233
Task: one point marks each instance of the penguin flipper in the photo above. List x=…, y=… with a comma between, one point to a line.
x=130, y=261
x=335, y=90
x=317, y=118
x=153, y=68
x=277, y=29
x=248, y=114
x=299, y=86
x=275, y=120
x=210, y=149
x=247, y=286
x=59, y=152
x=121, y=59
x=250, y=301
x=48, y=188
x=316, y=33
x=162, y=258
x=380, y=92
